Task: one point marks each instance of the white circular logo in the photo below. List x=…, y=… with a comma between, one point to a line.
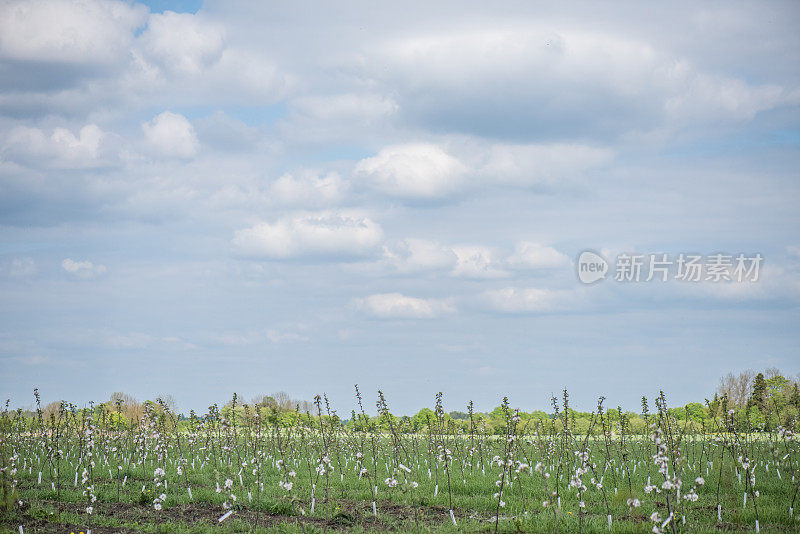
x=591, y=267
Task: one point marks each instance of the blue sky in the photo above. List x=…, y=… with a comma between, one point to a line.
x=198, y=198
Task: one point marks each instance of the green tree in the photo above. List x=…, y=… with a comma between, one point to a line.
x=794, y=399
x=776, y=383
x=695, y=412
x=420, y=419
x=759, y=396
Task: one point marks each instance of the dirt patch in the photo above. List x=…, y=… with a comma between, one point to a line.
x=343, y=515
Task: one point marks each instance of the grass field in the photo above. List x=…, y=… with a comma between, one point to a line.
x=82, y=471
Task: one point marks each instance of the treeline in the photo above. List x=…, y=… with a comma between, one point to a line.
x=757, y=401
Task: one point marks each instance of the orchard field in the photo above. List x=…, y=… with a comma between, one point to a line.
x=256, y=468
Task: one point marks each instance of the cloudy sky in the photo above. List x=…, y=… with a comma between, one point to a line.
x=203, y=197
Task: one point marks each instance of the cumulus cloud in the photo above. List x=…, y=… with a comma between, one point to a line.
x=425, y=171
x=363, y=107
x=704, y=97
x=477, y=262
x=251, y=76
x=541, y=164
x=68, y=31
x=417, y=256
x=171, y=134
x=529, y=300
x=186, y=59
x=60, y=147
x=182, y=42
x=399, y=306
x=563, y=77
x=82, y=269
x=775, y=282
x=482, y=106
x=413, y=171
x=413, y=255
x=23, y=267
x=529, y=255
x=225, y=133
x=324, y=234
x=284, y=336
x=330, y=118
x=308, y=189
x=137, y=341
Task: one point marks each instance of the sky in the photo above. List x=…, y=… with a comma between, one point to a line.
x=207, y=197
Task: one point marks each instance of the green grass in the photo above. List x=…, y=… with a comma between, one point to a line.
x=350, y=498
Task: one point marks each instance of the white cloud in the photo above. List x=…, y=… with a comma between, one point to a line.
x=171, y=134
x=349, y=106
x=131, y=340
x=480, y=107
x=529, y=300
x=429, y=172
x=775, y=282
x=332, y=118
x=23, y=267
x=326, y=234
x=413, y=171
x=282, y=336
x=271, y=335
x=541, y=164
x=182, y=42
x=417, y=255
x=33, y=359
x=87, y=141
x=139, y=340
x=698, y=96
x=529, y=255
x=225, y=133
x=506, y=52
x=186, y=59
x=308, y=189
x=60, y=148
x=251, y=75
x=476, y=262
x=399, y=306
x=82, y=269
x=553, y=74
x=236, y=339
x=89, y=31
